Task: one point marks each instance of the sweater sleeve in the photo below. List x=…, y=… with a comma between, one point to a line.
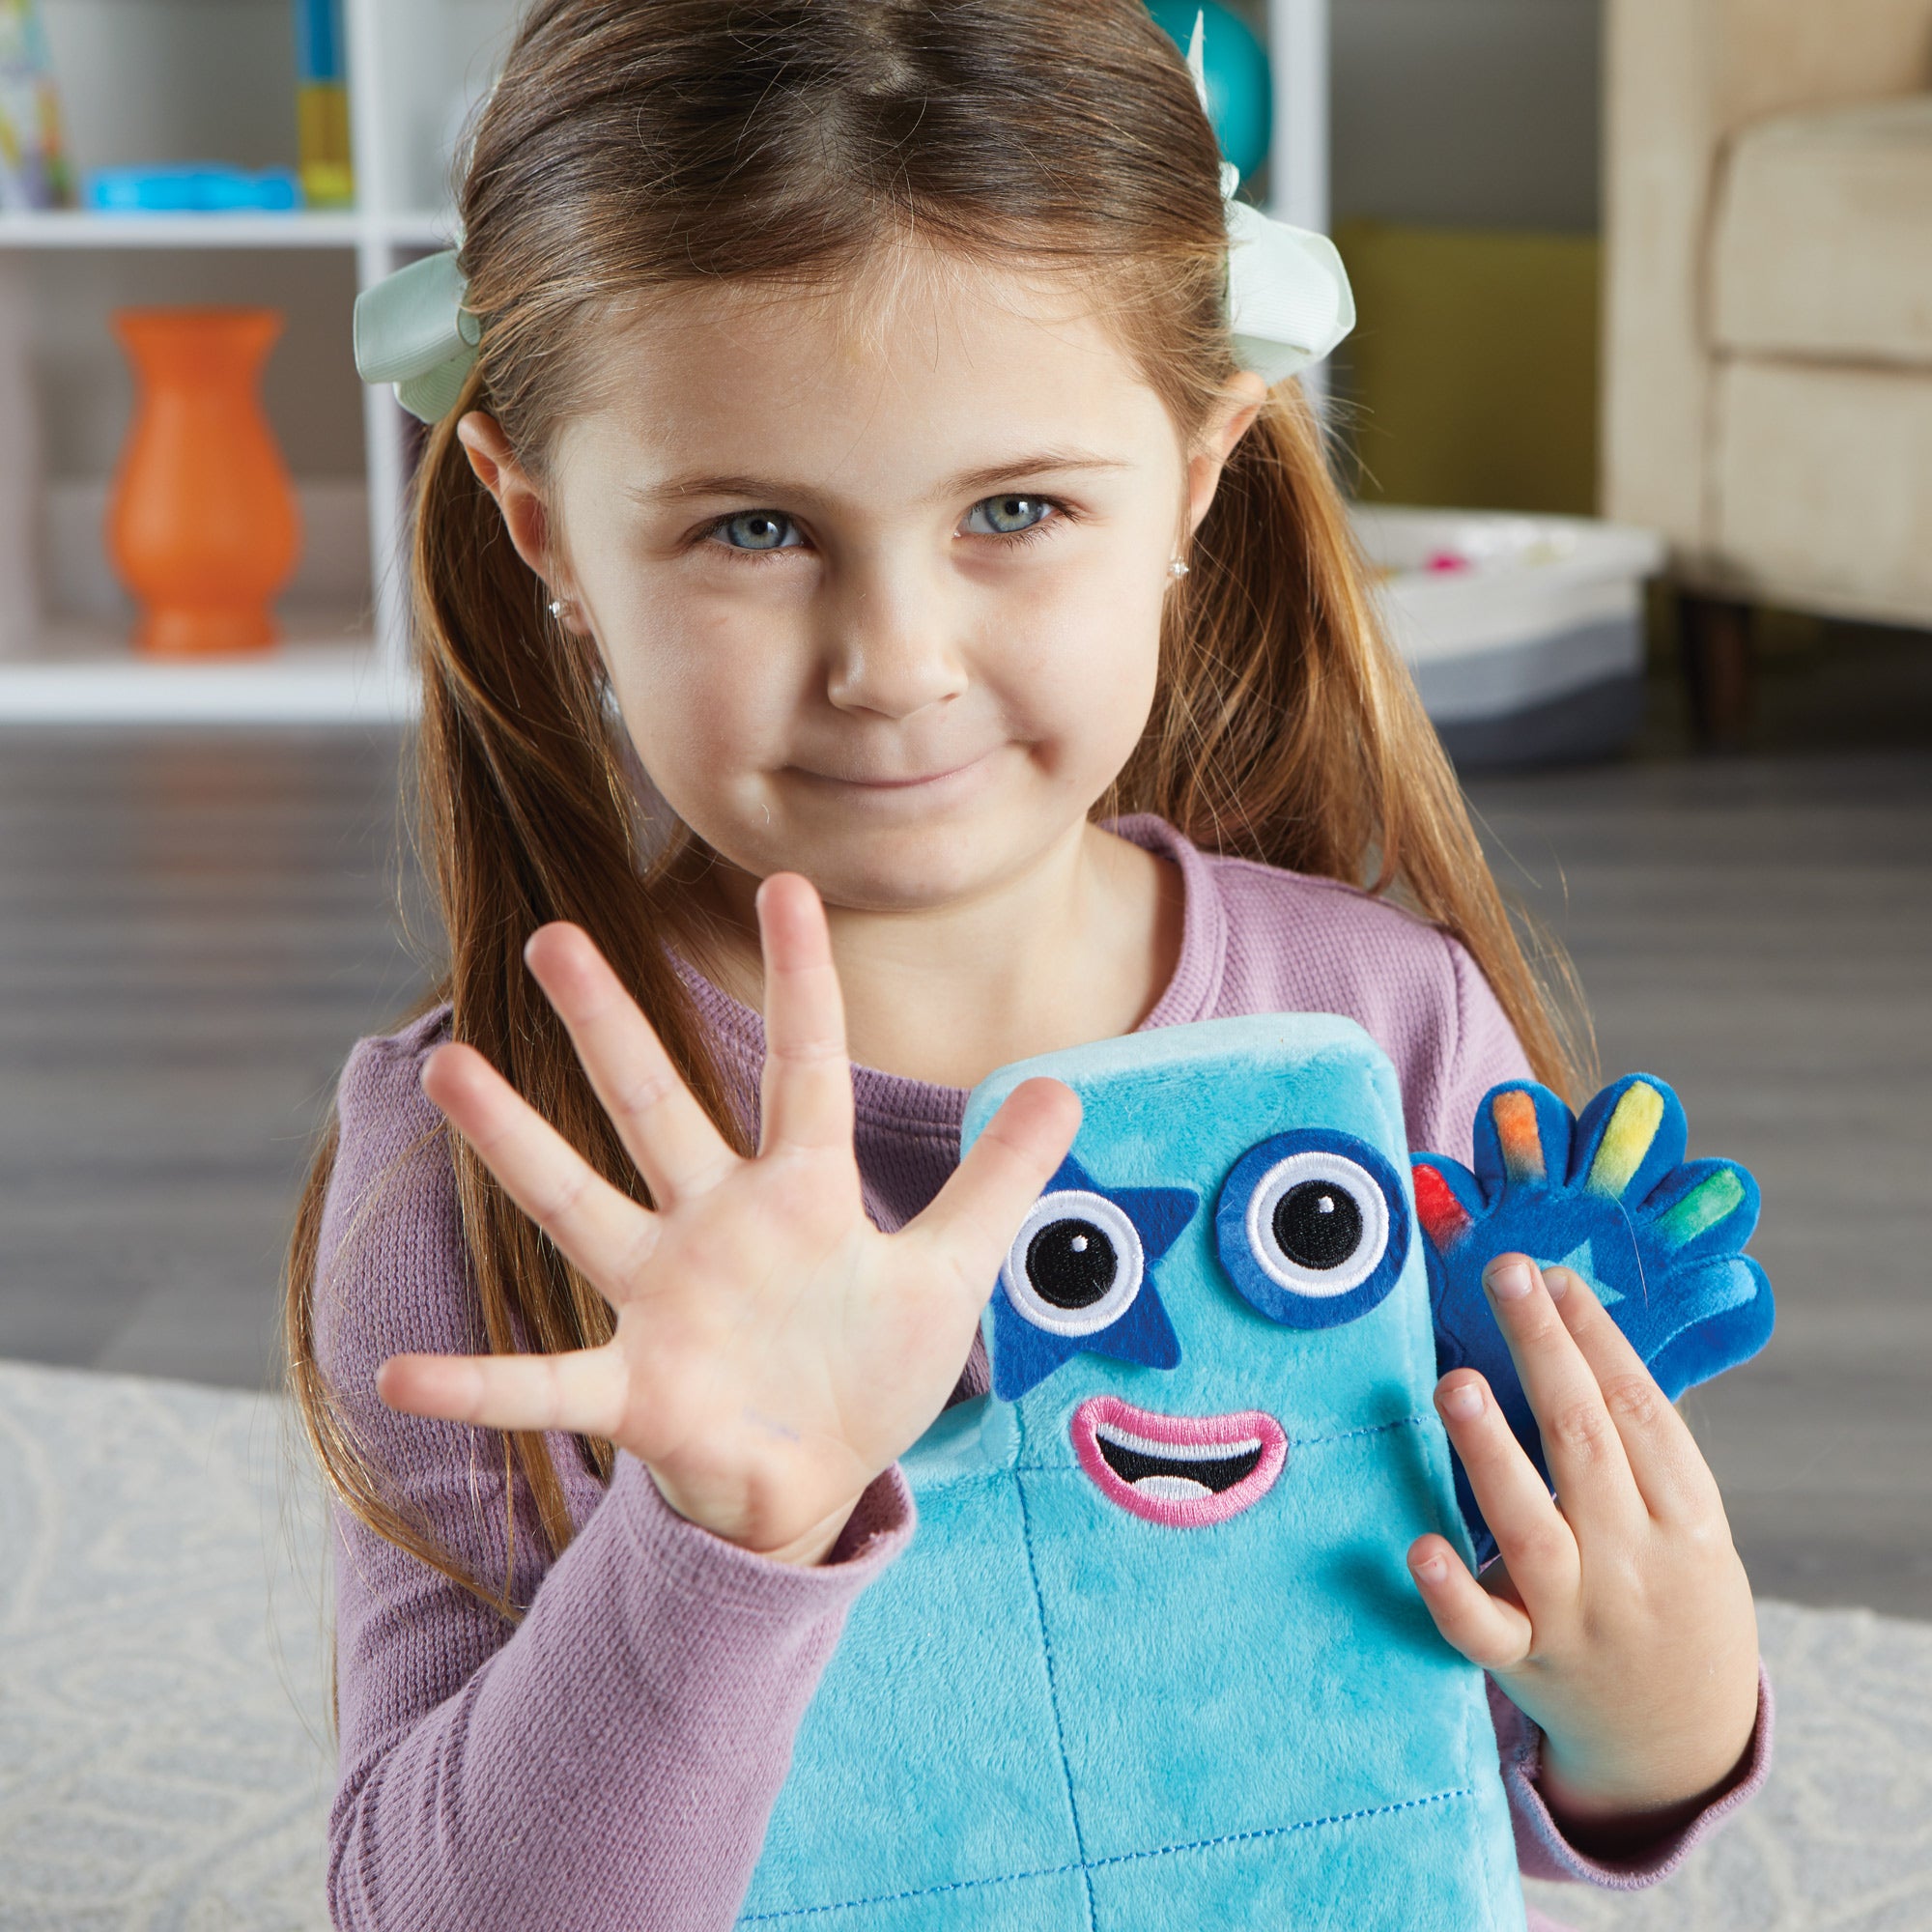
x=1543, y=1851
x=610, y=1760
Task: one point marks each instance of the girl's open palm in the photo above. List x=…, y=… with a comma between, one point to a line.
x=773, y=1351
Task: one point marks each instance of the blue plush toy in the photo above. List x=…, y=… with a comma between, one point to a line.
x=1153, y=1659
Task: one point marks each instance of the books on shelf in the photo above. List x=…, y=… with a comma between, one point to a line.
x=34, y=169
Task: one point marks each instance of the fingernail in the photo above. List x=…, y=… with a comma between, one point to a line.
x=1507, y=1281
x=1432, y=1569
x=1557, y=1282
x=1464, y=1401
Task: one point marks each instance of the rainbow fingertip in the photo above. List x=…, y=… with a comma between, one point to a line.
x=1627, y=1139
x=1444, y=1219
x=1704, y=1206
x=1515, y=1116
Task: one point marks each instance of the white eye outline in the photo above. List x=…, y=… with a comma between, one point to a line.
x=1067, y=1203
x=1346, y=1176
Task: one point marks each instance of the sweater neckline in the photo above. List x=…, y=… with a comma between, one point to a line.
x=898, y=1100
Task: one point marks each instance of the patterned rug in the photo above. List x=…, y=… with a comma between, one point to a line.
x=162, y=1645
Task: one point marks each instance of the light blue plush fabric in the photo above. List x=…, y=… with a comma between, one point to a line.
x=1055, y=1712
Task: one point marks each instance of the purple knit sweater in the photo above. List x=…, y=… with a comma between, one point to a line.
x=607, y=1766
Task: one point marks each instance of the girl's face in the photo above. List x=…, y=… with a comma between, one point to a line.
x=877, y=580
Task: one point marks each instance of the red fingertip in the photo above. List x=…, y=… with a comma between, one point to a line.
x=1444, y=1219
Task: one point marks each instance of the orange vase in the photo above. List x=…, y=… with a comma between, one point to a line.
x=203, y=525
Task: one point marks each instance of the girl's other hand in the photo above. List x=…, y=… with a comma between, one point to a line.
x=773, y=1351
x=1620, y=1619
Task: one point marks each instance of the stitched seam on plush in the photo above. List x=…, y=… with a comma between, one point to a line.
x=1117, y=1858
x=1053, y=1699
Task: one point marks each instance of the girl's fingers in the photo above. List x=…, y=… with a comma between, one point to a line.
x=1670, y=1471
x=974, y=1218
x=1580, y=1443
x=1539, y=1546
x=582, y=1392
x=677, y=1146
x=1485, y=1630
x=805, y=1096
x=604, y=1232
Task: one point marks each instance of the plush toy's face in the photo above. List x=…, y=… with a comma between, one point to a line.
x=1309, y=1228
x=1196, y=1287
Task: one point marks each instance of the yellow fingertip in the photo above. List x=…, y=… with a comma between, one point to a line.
x=1626, y=1140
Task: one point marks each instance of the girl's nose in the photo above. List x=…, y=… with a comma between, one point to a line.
x=892, y=643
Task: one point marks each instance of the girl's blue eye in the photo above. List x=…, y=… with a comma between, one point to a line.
x=1007, y=516
x=758, y=529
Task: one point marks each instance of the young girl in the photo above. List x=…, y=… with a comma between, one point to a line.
x=857, y=584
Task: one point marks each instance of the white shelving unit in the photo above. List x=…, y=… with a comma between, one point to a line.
x=1298, y=66
x=414, y=67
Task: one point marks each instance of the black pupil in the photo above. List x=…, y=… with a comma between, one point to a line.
x=1071, y=1263
x=1318, y=1224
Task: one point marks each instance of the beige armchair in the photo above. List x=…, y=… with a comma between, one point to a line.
x=1768, y=312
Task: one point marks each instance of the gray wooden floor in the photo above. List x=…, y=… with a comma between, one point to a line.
x=192, y=930
x=194, y=926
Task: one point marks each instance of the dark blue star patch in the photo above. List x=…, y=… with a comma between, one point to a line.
x=1079, y=1278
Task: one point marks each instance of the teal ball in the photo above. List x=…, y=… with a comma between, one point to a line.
x=1240, y=101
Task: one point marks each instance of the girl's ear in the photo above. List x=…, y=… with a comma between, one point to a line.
x=525, y=515
x=1241, y=400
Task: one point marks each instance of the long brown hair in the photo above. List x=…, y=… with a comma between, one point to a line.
x=634, y=145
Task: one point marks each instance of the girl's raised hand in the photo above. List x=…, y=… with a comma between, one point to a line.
x=1619, y=1618
x=773, y=1351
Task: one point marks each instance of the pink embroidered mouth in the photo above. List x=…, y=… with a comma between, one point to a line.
x=1180, y=1472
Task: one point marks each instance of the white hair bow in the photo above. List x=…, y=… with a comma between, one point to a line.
x=412, y=329
x=1289, y=299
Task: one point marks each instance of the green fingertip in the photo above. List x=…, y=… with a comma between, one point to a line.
x=1704, y=1206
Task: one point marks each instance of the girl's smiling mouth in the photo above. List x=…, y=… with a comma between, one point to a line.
x=1180, y=1471
x=950, y=779
x=894, y=785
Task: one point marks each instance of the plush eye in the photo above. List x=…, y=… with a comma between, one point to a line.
x=756, y=530
x=1318, y=1223
x=1312, y=1227
x=1076, y=1263
x=1007, y=516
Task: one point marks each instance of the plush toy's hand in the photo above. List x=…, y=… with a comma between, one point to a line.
x=1610, y=1198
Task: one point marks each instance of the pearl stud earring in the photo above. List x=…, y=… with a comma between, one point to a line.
x=1177, y=568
